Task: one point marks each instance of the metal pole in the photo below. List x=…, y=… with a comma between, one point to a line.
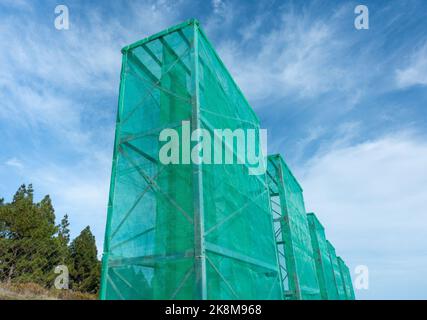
x=199, y=241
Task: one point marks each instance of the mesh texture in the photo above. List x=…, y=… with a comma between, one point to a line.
x=292, y=232
x=203, y=231
x=345, y=275
x=325, y=271
x=183, y=231
x=339, y=283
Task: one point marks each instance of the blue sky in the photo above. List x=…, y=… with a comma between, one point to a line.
x=346, y=107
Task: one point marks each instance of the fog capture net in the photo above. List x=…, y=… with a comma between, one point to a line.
x=298, y=271
x=324, y=268
x=206, y=229
x=184, y=230
x=337, y=273
x=346, y=277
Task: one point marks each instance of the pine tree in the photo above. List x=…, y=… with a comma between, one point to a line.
x=32, y=245
x=85, y=264
x=47, y=210
x=20, y=193
x=63, y=241
x=64, y=229
x=29, y=247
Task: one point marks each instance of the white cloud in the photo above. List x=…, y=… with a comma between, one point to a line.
x=85, y=57
x=14, y=162
x=16, y=4
x=415, y=72
x=45, y=73
x=371, y=198
x=303, y=56
x=79, y=190
x=223, y=16
x=217, y=5
x=48, y=85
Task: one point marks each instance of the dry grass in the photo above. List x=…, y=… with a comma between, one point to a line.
x=32, y=291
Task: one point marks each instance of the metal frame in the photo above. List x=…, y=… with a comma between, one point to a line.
x=199, y=232
x=335, y=267
x=123, y=145
x=285, y=249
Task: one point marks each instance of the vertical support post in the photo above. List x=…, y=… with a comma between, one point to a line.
x=282, y=290
x=270, y=208
x=335, y=277
x=199, y=241
x=344, y=280
x=291, y=267
x=105, y=255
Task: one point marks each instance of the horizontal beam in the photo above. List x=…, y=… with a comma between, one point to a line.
x=238, y=256
x=161, y=34
x=152, y=132
x=149, y=261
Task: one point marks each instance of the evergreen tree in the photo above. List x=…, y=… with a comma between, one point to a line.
x=85, y=264
x=47, y=209
x=29, y=248
x=32, y=245
x=64, y=229
x=20, y=193
x=63, y=241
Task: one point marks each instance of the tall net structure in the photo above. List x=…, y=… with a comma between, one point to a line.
x=339, y=283
x=184, y=230
x=298, y=271
x=325, y=271
x=348, y=284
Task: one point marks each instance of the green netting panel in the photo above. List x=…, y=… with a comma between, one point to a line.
x=292, y=232
x=325, y=271
x=183, y=231
x=337, y=274
x=349, y=282
x=346, y=277
x=240, y=247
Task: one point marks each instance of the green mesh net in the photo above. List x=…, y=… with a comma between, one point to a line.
x=346, y=277
x=339, y=283
x=184, y=231
x=325, y=271
x=189, y=230
x=298, y=271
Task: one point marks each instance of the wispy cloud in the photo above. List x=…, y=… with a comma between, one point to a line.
x=301, y=56
x=415, y=71
x=218, y=6
x=16, y=4
x=371, y=197
x=14, y=162
x=57, y=89
x=80, y=190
